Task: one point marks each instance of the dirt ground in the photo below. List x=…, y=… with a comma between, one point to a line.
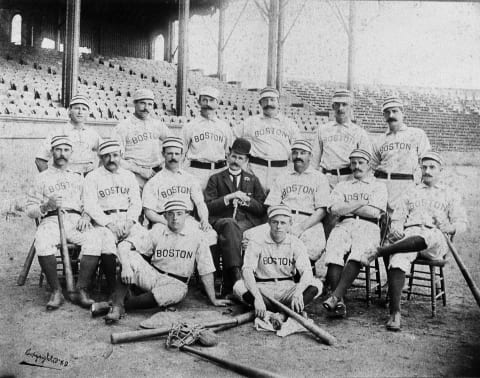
x=447, y=345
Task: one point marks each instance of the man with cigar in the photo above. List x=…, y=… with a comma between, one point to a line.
x=140, y=137
x=207, y=139
x=428, y=212
x=234, y=200
x=174, y=251
x=271, y=261
x=59, y=188
x=271, y=135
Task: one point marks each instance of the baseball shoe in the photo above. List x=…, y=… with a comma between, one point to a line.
x=115, y=314
x=368, y=256
x=82, y=299
x=393, y=323
x=335, y=306
x=55, y=301
x=100, y=308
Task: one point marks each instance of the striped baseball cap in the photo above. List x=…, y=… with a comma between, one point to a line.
x=360, y=153
x=279, y=210
x=175, y=205
x=302, y=144
x=269, y=92
x=172, y=142
x=80, y=99
x=432, y=155
x=60, y=139
x=392, y=102
x=342, y=95
x=108, y=146
x=210, y=92
x=143, y=94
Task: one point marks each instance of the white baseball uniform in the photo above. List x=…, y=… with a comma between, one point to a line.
x=304, y=193
x=421, y=209
x=352, y=234
x=69, y=185
x=84, y=151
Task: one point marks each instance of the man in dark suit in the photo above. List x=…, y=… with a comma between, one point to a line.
x=235, y=203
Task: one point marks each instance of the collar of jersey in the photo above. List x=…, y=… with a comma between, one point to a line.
x=179, y=172
x=279, y=116
x=269, y=240
x=403, y=127
x=438, y=185
x=70, y=125
x=346, y=125
x=367, y=180
x=170, y=232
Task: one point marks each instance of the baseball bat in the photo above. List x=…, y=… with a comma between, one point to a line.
x=125, y=337
x=22, y=277
x=248, y=371
x=471, y=284
x=67, y=265
x=316, y=330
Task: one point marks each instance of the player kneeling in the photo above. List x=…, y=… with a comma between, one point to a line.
x=270, y=264
x=174, y=250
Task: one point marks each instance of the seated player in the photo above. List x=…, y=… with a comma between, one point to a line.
x=54, y=188
x=359, y=204
x=234, y=200
x=175, y=250
x=427, y=212
x=271, y=261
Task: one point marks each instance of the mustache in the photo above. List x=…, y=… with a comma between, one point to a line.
x=357, y=170
x=297, y=160
x=425, y=175
x=173, y=161
x=208, y=107
x=269, y=107
x=391, y=119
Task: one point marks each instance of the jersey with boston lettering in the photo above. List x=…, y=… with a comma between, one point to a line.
x=269, y=259
x=207, y=140
x=335, y=142
x=433, y=206
x=368, y=188
x=167, y=185
x=105, y=191
x=271, y=137
x=141, y=140
x=54, y=181
x=305, y=191
x=399, y=152
x=179, y=252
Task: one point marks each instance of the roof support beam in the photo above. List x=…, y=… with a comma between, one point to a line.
x=182, y=67
x=70, y=55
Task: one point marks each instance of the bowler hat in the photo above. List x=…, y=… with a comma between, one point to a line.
x=241, y=146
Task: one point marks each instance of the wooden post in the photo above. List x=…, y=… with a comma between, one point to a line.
x=183, y=18
x=221, y=39
x=272, y=42
x=281, y=43
x=351, y=46
x=70, y=54
x=168, y=42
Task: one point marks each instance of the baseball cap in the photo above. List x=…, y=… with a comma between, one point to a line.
x=269, y=92
x=143, y=94
x=279, y=210
x=342, y=95
x=175, y=205
x=172, y=142
x=392, y=102
x=241, y=146
x=432, y=155
x=210, y=92
x=60, y=139
x=302, y=144
x=79, y=99
x=360, y=153
x=108, y=146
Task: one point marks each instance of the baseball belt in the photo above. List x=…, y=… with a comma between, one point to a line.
x=180, y=278
x=268, y=163
x=301, y=212
x=54, y=213
x=393, y=176
x=113, y=211
x=204, y=165
x=418, y=225
x=371, y=220
x=339, y=171
x=273, y=279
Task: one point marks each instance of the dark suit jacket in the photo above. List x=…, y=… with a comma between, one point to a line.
x=220, y=185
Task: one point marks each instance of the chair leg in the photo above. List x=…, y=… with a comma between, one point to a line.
x=442, y=285
x=410, y=281
x=379, y=279
x=367, y=284
x=433, y=292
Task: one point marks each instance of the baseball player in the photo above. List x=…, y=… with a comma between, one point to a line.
x=174, y=183
x=427, y=211
x=140, y=137
x=112, y=200
x=270, y=263
x=337, y=139
x=54, y=188
x=207, y=139
x=85, y=140
x=306, y=192
x=396, y=155
x=174, y=250
x=271, y=135
x=359, y=203
x=234, y=200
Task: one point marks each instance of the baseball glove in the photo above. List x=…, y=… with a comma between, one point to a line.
x=185, y=334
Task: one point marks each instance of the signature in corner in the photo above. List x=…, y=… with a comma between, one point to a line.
x=41, y=359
